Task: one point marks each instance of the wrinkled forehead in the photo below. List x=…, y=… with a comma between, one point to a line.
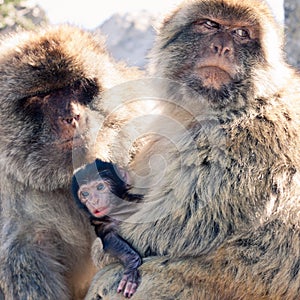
x=244, y=11
x=90, y=174
x=93, y=183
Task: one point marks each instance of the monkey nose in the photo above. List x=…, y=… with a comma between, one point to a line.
x=72, y=121
x=220, y=49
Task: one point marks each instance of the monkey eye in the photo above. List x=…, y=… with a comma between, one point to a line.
x=242, y=33
x=100, y=187
x=84, y=194
x=211, y=24
x=205, y=26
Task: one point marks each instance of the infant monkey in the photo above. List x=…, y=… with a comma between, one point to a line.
x=101, y=189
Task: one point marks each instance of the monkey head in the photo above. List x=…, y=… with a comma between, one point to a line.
x=99, y=187
x=218, y=48
x=49, y=78
x=95, y=196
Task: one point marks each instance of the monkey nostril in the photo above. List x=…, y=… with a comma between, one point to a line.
x=219, y=49
x=67, y=121
x=71, y=121
x=215, y=48
x=226, y=50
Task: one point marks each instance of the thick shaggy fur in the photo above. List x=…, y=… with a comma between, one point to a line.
x=45, y=240
x=221, y=219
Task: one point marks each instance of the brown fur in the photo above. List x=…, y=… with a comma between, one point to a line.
x=47, y=77
x=221, y=216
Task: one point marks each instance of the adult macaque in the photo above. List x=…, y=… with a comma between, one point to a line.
x=49, y=78
x=227, y=225
x=101, y=189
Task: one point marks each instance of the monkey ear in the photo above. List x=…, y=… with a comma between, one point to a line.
x=123, y=174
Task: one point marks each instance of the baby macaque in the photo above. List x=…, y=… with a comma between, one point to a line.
x=102, y=190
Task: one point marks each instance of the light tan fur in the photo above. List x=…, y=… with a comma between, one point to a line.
x=220, y=218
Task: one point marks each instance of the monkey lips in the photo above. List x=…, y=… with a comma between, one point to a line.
x=213, y=76
x=100, y=212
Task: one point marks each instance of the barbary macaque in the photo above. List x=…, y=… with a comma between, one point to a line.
x=50, y=79
x=102, y=190
x=224, y=221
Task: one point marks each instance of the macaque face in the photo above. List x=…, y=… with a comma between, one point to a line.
x=219, y=45
x=211, y=53
x=97, y=197
x=62, y=116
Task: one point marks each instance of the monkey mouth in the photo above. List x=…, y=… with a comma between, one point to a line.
x=77, y=142
x=74, y=142
x=70, y=143
x=100, y=212
x=213, y=76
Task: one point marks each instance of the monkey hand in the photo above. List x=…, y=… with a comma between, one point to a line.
x=129, y=282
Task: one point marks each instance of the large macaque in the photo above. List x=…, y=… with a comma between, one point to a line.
x=221, y=220
x=49, y=79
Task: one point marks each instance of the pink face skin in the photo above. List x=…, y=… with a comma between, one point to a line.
x=96, y=196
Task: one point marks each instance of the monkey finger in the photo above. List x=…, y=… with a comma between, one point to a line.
x=130, y=289
x=122, y=284
x=129, y=284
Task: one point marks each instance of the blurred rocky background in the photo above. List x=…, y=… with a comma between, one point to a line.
x=292, y=29
x=18, y=13
x=130, y=36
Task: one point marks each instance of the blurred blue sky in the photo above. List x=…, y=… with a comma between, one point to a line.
x=91, y=13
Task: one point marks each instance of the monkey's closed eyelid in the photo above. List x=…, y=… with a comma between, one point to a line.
x=211, y=24
x=206, y=26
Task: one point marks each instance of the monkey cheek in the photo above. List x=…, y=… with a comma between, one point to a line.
x=79, y=143
x=73, y=137
x=69, y=145
x=213, y=77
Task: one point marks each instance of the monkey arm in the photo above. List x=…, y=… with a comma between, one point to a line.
x=115, y=245
x=106, y=229
x=119, y=248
